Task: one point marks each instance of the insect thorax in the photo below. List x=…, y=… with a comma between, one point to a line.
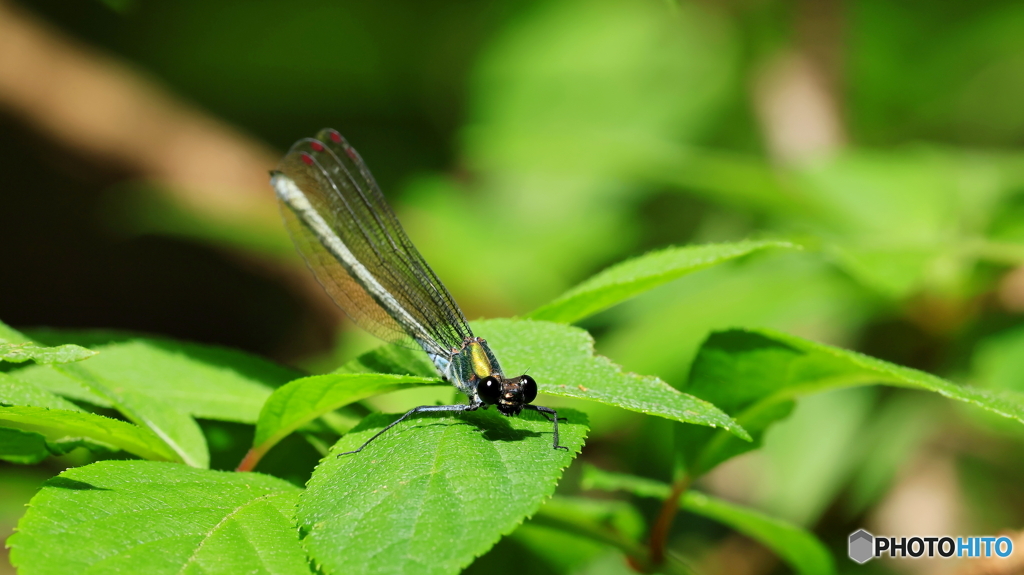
x=468, y=365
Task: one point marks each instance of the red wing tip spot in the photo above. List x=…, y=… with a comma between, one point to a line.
x=352, y=154
x=307, y=158
x=317, y=146
x=335, y=137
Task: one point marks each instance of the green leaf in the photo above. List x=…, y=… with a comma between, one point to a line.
x=204, y=381
x=156, y=518
x=797, y=547
x=16, y=392
x=25, y=447
x=162, y=384
x=174, y=427
x=561, y=358
x=303, y=400
x=21, y=352
x=51, y=379
x=638, y=275
x=432, y=493
x=756, y=374
x=58, y=425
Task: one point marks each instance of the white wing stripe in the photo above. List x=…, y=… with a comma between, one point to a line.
x=293, y=197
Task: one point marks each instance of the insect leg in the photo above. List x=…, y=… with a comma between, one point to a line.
x=415, y=410
x=553, y=419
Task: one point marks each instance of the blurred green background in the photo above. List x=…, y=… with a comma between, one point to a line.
x=525, y=146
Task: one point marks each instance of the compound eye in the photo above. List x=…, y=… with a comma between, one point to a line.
x=529, y=388
x=489, y=390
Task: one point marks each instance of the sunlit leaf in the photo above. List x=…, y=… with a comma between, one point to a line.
x=638, y=275
x=58, y=425
x=25, y=447
x=756, y=374
x=162, y=384
x=303, y=400
x=434, y=492
x=561, y=358
x=146, y=517
x=21, y=352
x=16, y=392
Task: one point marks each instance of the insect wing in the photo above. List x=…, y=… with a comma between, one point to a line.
x=356, y=248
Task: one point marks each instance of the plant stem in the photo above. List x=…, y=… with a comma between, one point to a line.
x=660, y=531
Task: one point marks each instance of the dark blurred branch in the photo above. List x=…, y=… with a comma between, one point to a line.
x=102, y=109
x=99, y=106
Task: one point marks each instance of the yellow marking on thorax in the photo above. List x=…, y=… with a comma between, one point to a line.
x=481, y=365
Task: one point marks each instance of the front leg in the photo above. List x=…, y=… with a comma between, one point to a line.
x=421, y=409
x=553, y=419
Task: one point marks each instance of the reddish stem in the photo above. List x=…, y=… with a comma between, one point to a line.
x=250, y=460
x=659, y=533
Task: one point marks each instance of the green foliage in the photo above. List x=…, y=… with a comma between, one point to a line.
x=15, y=347
x=162, y=385
x=146, y=517
x=20, y=352
x=638, y=275
x=60, y=426
x=436, y=491
x=14, y=391
x=524, y=147
x=433, y=493
x=570, y=369
x=797, y=547
x=303, y=400
x=757, y=374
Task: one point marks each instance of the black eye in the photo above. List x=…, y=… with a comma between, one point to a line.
x=529, y=389
x=489, y=390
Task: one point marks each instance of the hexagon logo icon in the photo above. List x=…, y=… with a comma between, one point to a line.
x=861, y=547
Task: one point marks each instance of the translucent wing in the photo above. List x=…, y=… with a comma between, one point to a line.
x=353, y=243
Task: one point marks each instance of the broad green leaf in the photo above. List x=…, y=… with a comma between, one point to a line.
x=204, y=381
x=633, y=277
x=25, y=447
x=21, y=352
x=53, y=380
x=156, y=518
x=303, y=400
x=756, y=374
x=162, y=384
x=58, y=425
x=434, y=492
x=174, y=427
x=29, y=447
x=16, y=392
x=797, y=547
x=561, y=358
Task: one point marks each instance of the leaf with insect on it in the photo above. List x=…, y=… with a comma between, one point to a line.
x=435, y=492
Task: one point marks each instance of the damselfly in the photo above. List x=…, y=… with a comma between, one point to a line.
x=359, y=253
